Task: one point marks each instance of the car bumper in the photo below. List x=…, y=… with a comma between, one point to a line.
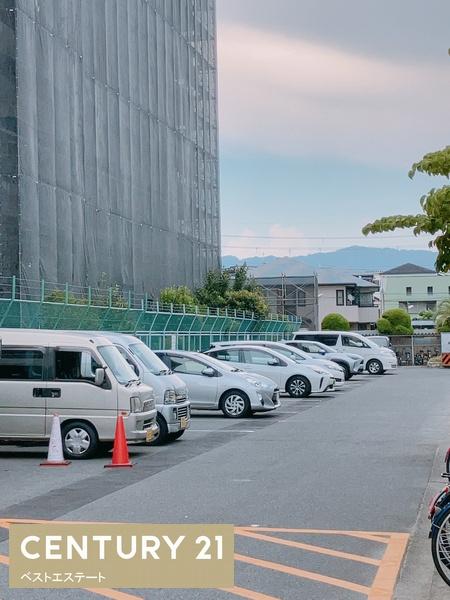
x=389, y=364
x=177, y=416
x=138, y=424
x=326, y=384
x=270, y=400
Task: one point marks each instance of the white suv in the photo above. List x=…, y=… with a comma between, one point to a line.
x=377, y=360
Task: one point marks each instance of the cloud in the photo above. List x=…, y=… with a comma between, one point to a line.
x=283, y=95
x=281, y=244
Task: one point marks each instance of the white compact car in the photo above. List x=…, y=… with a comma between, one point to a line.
x=213, y=385
x=295, y=354
x=377, y=360
x=298, y=380
x=352, y=364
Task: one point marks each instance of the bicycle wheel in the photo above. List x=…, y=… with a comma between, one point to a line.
x=440, y=544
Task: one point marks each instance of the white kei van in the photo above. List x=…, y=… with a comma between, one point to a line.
x=377, y=360
x=83, y=379
x=171, y=394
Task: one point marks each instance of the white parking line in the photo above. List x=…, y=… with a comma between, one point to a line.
x=222, y=430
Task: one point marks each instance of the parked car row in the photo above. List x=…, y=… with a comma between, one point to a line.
x=89, y=377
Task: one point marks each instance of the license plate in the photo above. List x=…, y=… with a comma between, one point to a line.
x=149, y=435
x=184, y=422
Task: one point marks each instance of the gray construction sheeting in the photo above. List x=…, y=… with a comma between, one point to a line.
x=117, y=141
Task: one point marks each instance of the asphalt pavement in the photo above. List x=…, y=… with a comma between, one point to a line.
x=326, y=494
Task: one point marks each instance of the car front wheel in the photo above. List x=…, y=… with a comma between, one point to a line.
x=80, y=440
x=162, y=435
x=298, y=387
x=235, y=404
x=375, y=367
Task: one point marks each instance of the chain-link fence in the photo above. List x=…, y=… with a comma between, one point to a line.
x=415, y=350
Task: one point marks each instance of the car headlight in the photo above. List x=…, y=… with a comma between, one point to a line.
x=254, y=382
x=170, y=397
x=318, y=370
x=136, y=404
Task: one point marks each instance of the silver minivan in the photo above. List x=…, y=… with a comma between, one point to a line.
x=171, y=394
x=82, y=378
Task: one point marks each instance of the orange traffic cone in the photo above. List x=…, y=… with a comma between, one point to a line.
x=55, y=456
x=120, y=456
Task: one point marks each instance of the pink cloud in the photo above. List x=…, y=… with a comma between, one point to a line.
x=291, y=97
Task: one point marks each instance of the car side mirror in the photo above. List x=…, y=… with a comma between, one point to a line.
x=274, y=363
x=99, y=377
x=209, y=372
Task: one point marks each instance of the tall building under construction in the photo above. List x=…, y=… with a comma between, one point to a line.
x=108, y=142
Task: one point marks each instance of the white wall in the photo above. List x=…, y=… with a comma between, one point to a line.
x=355, y=314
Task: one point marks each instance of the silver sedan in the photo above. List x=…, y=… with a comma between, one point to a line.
x=212, y=385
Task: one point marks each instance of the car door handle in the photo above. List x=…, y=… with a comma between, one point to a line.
x=46, y=392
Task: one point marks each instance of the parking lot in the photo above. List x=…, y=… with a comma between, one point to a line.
x=324, y=492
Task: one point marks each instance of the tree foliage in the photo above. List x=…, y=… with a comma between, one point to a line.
x=240, y=293
x=384, y=326
x=426, y=315
x=335, y=322
x=435, y=216
x=395, y=321
x=442, y=317
x=180, y=294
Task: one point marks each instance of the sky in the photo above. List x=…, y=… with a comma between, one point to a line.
x=323, y=107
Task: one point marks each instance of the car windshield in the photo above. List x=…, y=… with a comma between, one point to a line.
x=117, y=364
x=149, y=359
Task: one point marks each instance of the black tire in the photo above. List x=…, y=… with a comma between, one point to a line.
x=347, y=373
x=162, y=437
x=176, y=435
x=298, y=387
x=440, y=544
x=235, y=404
x=374, y=367
x=79, y=440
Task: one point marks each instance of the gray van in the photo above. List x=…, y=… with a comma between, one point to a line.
x=171, y=394
x=82, y=378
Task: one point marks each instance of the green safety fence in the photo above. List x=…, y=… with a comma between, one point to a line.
x=44, y=306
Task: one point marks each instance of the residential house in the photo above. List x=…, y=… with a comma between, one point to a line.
x=294, y=288
x=413, y=288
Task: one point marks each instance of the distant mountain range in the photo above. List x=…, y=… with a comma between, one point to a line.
x=353, y=258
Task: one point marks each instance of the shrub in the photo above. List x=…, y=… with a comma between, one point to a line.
x=384, y=326
x=335, y=321
x=249, y=301
x=177, y=295
x=400, y=321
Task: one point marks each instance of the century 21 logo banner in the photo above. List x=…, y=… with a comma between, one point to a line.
x=121, y=555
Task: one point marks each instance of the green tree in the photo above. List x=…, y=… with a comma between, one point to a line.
x=335, y=322
x=442, y=317
x=241, y=293
x=384, y=326
x=249, y=301
x=426, y=315
x=214, y=290
x=399, y=322
x=435, y=216
x=180, y=294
